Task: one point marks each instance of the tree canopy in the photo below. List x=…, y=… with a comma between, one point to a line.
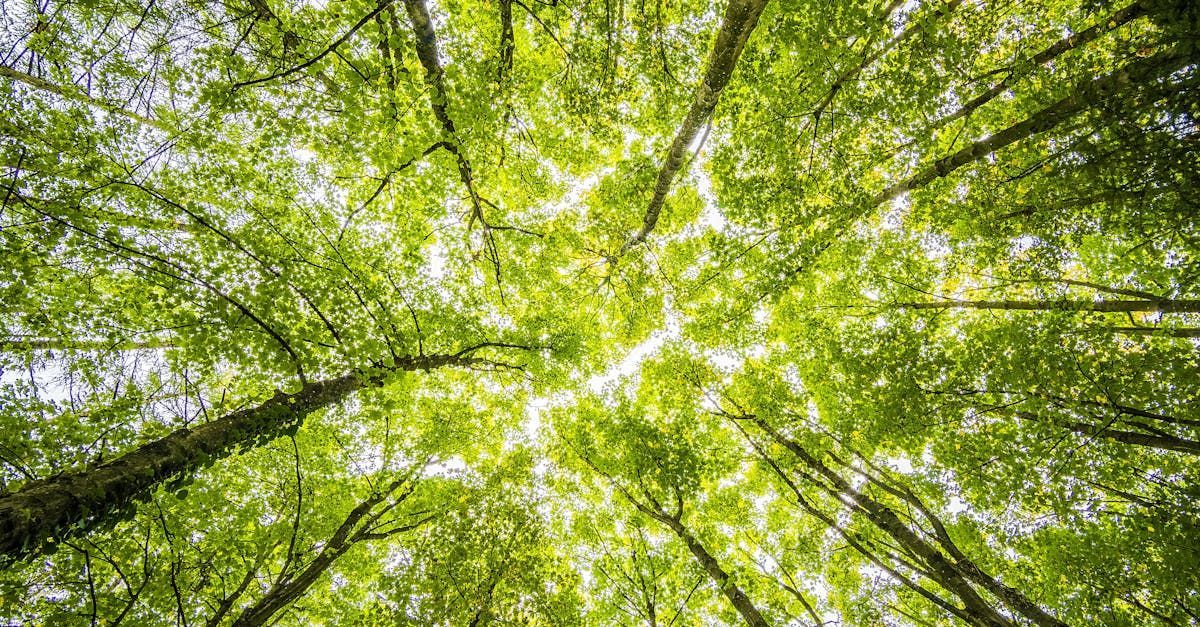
x=583, y=312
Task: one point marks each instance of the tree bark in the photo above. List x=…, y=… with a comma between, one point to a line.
x=851, y=539
x=946, y=572
x=1110, y=306
x=61, y=505
x=507, y=46
x=1082, y=98
x=25, y=344
x=1058, y=48
x=1162, y=332
x=741, y=16
x=427, y=52
x=1160, y=441
x=732, y=592
x=652, y=508
x=77, y=95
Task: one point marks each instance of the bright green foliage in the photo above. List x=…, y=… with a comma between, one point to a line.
x=914, y=338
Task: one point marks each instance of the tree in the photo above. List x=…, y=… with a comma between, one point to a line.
x=663, y=313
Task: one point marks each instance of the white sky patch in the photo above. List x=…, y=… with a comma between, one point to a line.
x=1023, y=243
x=762, y=314
x=935, y=246
x=533, y=417
x=725, y=361
x=900, y=16
x=901, y=463
x=369, y=461
x=448, y=467
x=540, y=470
x=531, y=425
x=711, y=215
x=48, y=377
x=893, y=219
x=636, y=355
x=501, y=321
x=632, y=361
x=791, y=376
x=435, y=261
x=397, y=560
x=304, y=155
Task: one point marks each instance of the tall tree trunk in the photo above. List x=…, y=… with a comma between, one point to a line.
x=25, y=344
x=1112, y=306
x=741, y=16
x=1140, y=72
x=1009, y=595
x=1161, y=440
x=674, y=521
x=78, y=95
x=507, y=46
x=946, y=572
x=1058, y=48
x=853, y=540
x=64, y=504
x=732, y=592
x=1162, y=332
x=427, y=52
x=435, y=77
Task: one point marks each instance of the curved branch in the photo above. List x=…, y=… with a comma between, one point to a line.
x=383, y=4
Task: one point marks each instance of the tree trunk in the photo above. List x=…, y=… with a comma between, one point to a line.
x=1161, y=441
x=851, y=539
x=654, y=510
x=1116, y=20
x=1111, y=306
x=78, y=95
x=1083, y=97
x=732, y=592
x=741, y=16
x=68, y=503
x=941, y=569
x=435, y=75
x=25, y=344
x=1162, y=332
x=507, y=46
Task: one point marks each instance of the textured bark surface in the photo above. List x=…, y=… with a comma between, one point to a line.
x=356, y=527
x=1159, y=440
x=427, y=52
x=1058, y=48
x=732, y=592
x=1082, y=98
x=941, y=568
x=741, y=16
x=61, y=505
x=56, y=505
x=77, y=95
x=1111, y=306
